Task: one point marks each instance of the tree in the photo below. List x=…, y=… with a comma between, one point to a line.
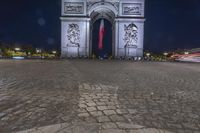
x=28, y=49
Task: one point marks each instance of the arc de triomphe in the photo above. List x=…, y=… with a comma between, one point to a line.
x=127, y=19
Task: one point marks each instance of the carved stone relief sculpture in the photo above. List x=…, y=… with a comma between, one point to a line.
x=73, y=34
x=131, y=37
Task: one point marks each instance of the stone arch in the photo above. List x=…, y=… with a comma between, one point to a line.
x=119, y=13
x=102, y=13
x=102, y=10
x=108, y=38
x=100, y=6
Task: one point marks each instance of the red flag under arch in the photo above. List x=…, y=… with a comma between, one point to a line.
x=101, y=34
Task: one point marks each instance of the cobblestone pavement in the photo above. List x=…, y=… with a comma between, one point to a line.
x=73, y=96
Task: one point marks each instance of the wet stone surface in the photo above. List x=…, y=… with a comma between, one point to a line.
x=72, y=96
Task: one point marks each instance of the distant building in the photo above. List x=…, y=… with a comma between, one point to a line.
x=196, y=50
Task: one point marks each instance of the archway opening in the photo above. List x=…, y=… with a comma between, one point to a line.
x=108, y=13
x=106, y=50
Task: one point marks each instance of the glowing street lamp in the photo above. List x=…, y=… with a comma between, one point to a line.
x=186, y=53
x=17, y=49
x=54, y=52
x=38, y=51
x=165, y=54
x=148, y=54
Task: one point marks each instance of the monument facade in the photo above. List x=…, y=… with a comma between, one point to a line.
x=78, y=18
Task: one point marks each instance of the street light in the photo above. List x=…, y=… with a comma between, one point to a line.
x=38, y=51
x=186, y=53
x=54, y=52
x=148, y=54
x=17, y=49
x=165, y=54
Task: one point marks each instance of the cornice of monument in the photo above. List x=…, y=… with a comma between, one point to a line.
x=115, y=3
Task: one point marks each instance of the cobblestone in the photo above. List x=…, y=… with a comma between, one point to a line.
x=96, y=113
x=2, y=115
x=100, y=103
x=121, y=111
x=103, y=119
x=117, y=118
x=102, y=108
x=83, y=115
x=124, y=125
x=91, y=104
x=82, y=105
x=113, y=131
x=109, y=125
x=132, y=111
x=90, y=109
x=109, y=112
x=92, y=96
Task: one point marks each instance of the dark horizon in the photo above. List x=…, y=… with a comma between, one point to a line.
x=170, y=24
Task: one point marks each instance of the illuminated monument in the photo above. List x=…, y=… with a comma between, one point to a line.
x=125, y=16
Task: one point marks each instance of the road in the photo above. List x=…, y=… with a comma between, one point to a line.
x=94, y=96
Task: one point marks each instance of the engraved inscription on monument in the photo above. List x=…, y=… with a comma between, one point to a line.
x=132, y=9
x=74, y=7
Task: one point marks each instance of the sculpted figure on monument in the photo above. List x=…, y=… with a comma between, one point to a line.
x=73, y=34
x=130, y=37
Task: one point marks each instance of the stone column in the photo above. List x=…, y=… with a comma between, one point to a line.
x=129, y=37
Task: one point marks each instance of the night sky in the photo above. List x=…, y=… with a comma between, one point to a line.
x=170, y=24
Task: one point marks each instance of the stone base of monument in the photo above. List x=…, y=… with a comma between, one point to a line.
x=72, y=51
x=82, y=52
x=130, y=51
